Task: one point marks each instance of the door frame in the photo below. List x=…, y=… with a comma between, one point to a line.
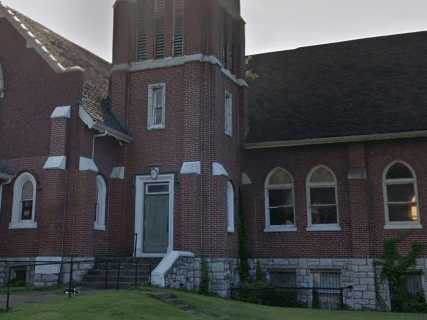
x=140, y=183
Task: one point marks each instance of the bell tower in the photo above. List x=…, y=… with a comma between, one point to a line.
x=177, y=85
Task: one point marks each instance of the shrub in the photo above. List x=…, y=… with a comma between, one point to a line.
x=204, y=287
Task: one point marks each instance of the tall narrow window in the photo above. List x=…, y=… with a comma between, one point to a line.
x=24, y=202
x=101, y=201
x=228, y=114
x=400, y=197
x=159, y=14
x=322, y=200
x=1, y=197
x=141, y=40
x=2, y=85
x=230, y=207
x=279, y=201
x=156, y=106
x=178, y=36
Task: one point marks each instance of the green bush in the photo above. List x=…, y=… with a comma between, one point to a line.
x=204, y=287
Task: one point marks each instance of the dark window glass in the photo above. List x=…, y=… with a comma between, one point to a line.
x=280, y=198
x=399, y=171
x=322, y=195
x=402, y=212
x=284, y=279
x=282, y=216
x=158, y=188
x=27, y=210
x=401, y=193
x=324, y=214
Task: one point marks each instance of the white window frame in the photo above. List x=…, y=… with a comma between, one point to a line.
x=140, y=182
x=101, y=204
x=385, y=182
x=151, y=108
x=267, y=188
x=309, y=185
x=228, y=113
x=230, y=207
x=17, y=222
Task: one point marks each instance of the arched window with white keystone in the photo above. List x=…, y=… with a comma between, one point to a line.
x=230, y=204
x=322, y=200
x=279, y=201
x=101, y=203
x=400, y=197
x=24, y=202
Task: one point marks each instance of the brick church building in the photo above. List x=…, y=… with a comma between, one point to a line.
x=323, y=149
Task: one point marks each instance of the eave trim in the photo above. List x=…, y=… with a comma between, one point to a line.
x=333, y=140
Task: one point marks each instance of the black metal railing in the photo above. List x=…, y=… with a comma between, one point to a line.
x=113, y=271
x=294, y=297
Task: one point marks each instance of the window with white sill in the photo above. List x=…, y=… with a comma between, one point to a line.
x=156, y=106
x=279, y=201
x=101, y=203
x=400, y=196
x=322, y=200
x=24, y=202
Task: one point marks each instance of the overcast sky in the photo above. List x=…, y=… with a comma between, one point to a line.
x=271, y=24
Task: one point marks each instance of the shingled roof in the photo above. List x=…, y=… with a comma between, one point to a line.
x=64, y=56
x=354, y=88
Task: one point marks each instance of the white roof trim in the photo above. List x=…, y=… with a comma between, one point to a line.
x=87, y=164
x=61, y=112
x=177, y=61
x=56, y=163
x=193, y=167
x=118, y=173
x=33, y=42
x=345, y=139
x=219, y=170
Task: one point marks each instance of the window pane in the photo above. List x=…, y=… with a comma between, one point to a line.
x=280, y=198
x=324, y=215
x=322, y=175
x=27, y=210
x=27, y=191
x=158, y=188
x=322, y=195
x=280, y=177
x=282, y=216
x=401, y=193
x=402, y=212
x=399, y=171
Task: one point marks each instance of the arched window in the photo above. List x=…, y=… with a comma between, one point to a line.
x=24, y=202
x=400, y=196
x=322, y=200
x=279, y=201
x=101, y=199
x=230, y=198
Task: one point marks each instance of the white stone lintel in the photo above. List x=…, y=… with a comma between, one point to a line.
x=191, y=167
x=219, y=170
x=118, y=173
x=158, y=276
x=61, y=112
x=56, y=163
x=88, y=164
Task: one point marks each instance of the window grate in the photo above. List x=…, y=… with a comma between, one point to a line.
x=159, y=14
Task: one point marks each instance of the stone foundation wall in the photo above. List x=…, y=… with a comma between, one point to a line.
x=47, y=275
x=186, y=274
x=367, y=292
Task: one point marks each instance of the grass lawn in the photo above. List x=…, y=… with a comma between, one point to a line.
x=137, y=304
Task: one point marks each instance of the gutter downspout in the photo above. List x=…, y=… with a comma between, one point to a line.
x=96, y=136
